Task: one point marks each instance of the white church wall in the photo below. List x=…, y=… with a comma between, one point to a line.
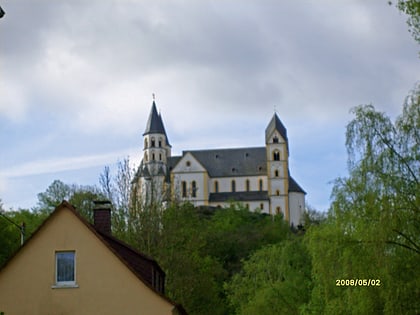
x=225, y=183
x=200, y=189
x=297, y=207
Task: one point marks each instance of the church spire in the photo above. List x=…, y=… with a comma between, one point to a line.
x=155, y=123
x=276, y=124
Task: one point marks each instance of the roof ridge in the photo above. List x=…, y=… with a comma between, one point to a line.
x=224, y=149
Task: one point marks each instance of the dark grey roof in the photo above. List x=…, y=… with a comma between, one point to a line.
x=294, y=186
x=155, y=123
x=143, y=171
x=278, y=125
x=172, y=161
x=232, y=162
x=238, y=196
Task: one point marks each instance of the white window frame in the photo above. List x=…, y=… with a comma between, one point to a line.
x=65, y=284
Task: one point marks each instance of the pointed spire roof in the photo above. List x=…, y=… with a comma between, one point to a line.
x=155, y=123
x=276, y=124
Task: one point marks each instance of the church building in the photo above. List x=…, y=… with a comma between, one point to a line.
x=257, y=177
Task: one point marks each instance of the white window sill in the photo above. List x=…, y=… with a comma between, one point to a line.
x=65, y=286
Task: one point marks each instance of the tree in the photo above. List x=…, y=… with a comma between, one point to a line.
x=117, y=189
x=81, y=197
x=412, y=9
x=192, y=274
x=235, y=232
x=56, y=192
x=133, y=220
x=373, y=228
x=276, y=279
x=10, y=236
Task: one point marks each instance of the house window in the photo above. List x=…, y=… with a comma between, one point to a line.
x=184, y=189
x=247, y=184
x=276, y=156
x=261, y=185
x=233, y=186
x=216, y=186
x=261, y=206
x=194, y=189
x=188, y=164
x=65, y=268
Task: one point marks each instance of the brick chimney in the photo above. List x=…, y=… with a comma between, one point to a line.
x=102, y=216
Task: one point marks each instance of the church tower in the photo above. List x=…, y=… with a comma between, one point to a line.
x=277, y=152
x=156, y=147
x=150, y=181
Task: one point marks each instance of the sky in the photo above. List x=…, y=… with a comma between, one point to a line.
x=77, y=78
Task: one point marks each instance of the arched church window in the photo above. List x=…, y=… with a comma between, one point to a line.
x=276, y=173
x=146, y=157
x=160, y=156
x=261, y=186
x=194, y=189
x=160, y=142
x=278, y=210
x=247, y=185
x=233, y=186
x=276, y=156
x=153, y=156
x=153, y=143
x=277, y=192
x=275, y=139
x=261, y=206
x=188, y=164
x=146, y=143
x=184, y=189
x=216, y=186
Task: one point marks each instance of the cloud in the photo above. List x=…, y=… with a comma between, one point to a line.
x=217, y=57
x=61, y=164
x=77, y=76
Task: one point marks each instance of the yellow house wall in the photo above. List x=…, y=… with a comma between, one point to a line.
x=106, y=285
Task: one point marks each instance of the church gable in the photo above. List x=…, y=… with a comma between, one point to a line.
x=188, y=164
x=276, y=132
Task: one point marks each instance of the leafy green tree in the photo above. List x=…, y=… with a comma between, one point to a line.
x=81, y=197
x=235, y=233
x=373, y=229
x=275, y=280
x=412, y=9
x=192, y=274
x=56, y=192
x=10, y=229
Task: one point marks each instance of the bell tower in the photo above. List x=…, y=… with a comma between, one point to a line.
x=150, y=181
x=156, y=147
x=277, y=153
